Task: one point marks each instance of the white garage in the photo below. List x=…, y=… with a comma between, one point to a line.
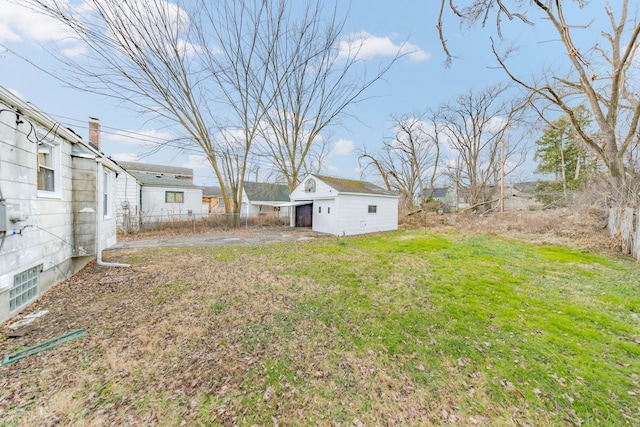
x=343, y=207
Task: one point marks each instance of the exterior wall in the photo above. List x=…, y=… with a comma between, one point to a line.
x=355, y=219
x=46, y=240
x=322, y=191
x=256, y=209
x=211, y=205
x=247, y=208
x=154, y=207
x=515, y=200
x=84, y=205
x=127, y=192
x=108, y=220
x=325, y=216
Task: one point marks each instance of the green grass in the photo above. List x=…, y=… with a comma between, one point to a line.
x=548, y=330
x=401, y=328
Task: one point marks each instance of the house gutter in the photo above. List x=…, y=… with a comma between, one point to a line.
x=100, y=209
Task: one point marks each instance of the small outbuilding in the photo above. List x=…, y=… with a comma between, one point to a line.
x=263, y=198
x=343, y=207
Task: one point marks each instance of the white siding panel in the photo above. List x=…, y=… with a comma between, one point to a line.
x=355, y=219
x=154, y=207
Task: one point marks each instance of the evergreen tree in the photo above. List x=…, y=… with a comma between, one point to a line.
x=559, y=153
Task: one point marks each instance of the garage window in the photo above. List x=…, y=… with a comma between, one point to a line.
x=373, y=209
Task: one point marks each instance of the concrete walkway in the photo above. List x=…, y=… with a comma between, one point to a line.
x=222, y=239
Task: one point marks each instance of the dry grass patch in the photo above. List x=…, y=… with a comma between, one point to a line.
x=406, y=328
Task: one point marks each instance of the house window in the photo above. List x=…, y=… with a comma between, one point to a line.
x=48, y=168
x=329, y=210
x=373, y=209
x=174, y=197
x=24, y=289
x=319, y=209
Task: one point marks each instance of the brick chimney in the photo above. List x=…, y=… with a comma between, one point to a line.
x=94, y=132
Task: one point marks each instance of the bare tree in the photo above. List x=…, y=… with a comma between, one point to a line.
x=174, y=62
x=314, y=79
x=477, y=127
x=408, y=162
x=215, y=68
x=602, y=76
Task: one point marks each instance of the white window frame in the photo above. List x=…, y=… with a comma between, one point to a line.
x=107, y=195
x=56, y=168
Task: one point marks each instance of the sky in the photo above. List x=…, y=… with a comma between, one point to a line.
x=418, y=81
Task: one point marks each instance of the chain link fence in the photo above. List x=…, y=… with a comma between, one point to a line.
x=132, y=224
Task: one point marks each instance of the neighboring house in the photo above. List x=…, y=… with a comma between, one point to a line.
x=57, y=211
x=261, y=198
x=520, y=197
x=167, y=193
x=448, y=196
x=212, y=199
x=342, y=206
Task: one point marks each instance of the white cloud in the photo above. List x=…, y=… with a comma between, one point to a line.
x=18, y=23
x=126, y=157
x=343, y=147
x=231, y=138
x=148, y=138
x=496, y=124
x=75, y=50
x=150, y=23
x=363, y=45
x=196, y=162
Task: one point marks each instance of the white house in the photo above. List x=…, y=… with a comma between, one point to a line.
x=167, y=193
x=343, y=207
x=57, y=204
x=262, y=198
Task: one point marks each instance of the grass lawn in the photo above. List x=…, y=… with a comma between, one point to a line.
x=402, y=328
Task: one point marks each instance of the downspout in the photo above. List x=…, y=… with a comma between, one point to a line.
x=100, y=210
